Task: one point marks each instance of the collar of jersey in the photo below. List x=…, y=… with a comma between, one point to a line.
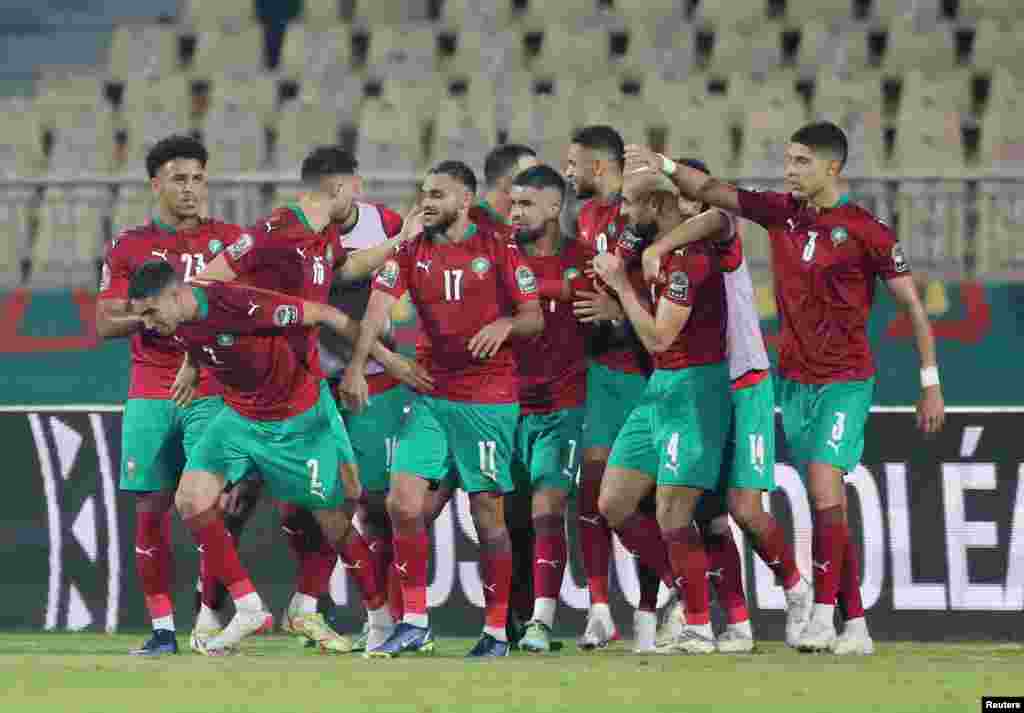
x=489, y=209
x=204, y=302
x=163, y=226
x=301, y=215
x=844, y=199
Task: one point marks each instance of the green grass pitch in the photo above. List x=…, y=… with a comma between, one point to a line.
x=72, y=673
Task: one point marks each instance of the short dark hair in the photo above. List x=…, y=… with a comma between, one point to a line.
x=326, y=161
x=458, y=171
x=823, y=136
x=173, y=147
x=602, y=138
x=696, y=164
x=502, y=160
x=541, y=177
x=150, y=279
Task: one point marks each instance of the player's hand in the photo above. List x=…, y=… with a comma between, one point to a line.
x=640, y=159
x=651, y=262
x=413, y=223
x=235, y=500
x=931, y=410
x=596, y=306
x=410, y=373
x=488, y=340
x=610, y=268
x=353, y=390
x=350, y=484
x=186, y=383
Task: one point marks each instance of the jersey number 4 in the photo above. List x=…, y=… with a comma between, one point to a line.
x=453, y=285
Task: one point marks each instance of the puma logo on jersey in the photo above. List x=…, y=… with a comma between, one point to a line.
x=595, y=520
x=145, y=552
x=423, y=265
x=680, y=582
x=373, y=545
x=823, y=566
x=550, y=563
x=357, y=565
x=252, y=308
x=833, y=445
x=403, y=568
x=269, y=226
x=162, y=254
x=301, y=254
x=791, y=223
x=716, y=573
x=492, y=588
x=774, y=563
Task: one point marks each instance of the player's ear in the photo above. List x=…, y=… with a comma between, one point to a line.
x=357, y=186
x=154, y=184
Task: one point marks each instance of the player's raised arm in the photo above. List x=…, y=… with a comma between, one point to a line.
x=361, y=264
x=711, y=224
x=113, y=316
x=692, y=183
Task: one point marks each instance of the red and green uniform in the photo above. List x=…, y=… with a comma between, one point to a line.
x=157, y=435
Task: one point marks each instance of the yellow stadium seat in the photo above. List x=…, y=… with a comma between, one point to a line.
x=650, y=13
x=69, y=239
x=375, y=13
x=736, y=52
x=831, y=12
x=478, y=51
x=1002, y=139
x=929, y=144
x=699, y=132
x=948, y=92
x=606, y=102
x=310, y=50
x=206, y=14
x=999, y=242
x=132, y=207
x=855, y=105
x=14, y=226
x=670, y=48
x=257, y=93
x=228, y=52
x=404, y=52
x=21, y=139
x=888, y=11
x=581, y=54
x=543, y=13
x=478, y=14
x=390, y=139
x=143, y=50
x=729, y=14
x=300, y=127
x=321, y=13
x=816, y=48
x=997, y=44
x=909, y=49
x=774, y=112
x=544, y=120
x=1009, y=10
x=83, y=141
x=466, y=127
x=931, y=226
x=62, y=92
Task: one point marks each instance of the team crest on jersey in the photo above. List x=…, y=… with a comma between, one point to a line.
x=678, y=285
x=225, y=340
x=839, y=235
x=526, y=280
x=572, y=273
x=285, y=315
x=480, y=265
x=241, y=246
x=105, y=278
x=388, y=275
x=899, y=259
x=215, y=246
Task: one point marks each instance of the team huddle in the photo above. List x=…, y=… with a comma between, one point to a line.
x=589, y=335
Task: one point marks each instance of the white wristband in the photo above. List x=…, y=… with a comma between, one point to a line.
x=668, y=166
x=929, y=376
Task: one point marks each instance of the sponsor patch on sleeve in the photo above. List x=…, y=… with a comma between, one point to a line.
x=679, y=286
x=899, y=259
x=285, y=315
x=388, y=275
x=241, y=246
x=526, y=280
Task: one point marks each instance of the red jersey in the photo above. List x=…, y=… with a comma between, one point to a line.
x=825, y=265
x=374, y=225
x=156, y=359
x=693, y=278
x=253, y=341
x=553, y=368
x=599, y=226
x=458, y=288
x=283, y=253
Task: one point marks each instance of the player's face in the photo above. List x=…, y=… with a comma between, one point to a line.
x=343, y=191
x=580, y=165
x=444, y=200
x=181, y=189
x=639, y=212
x=532, y=210
x=689, y=208
x=806, y=173
x=161, y=314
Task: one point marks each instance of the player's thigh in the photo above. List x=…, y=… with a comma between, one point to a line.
x=611, y=396
x=553, y=452
x=692, y=416
x=329, y=408
x=752, y=438
x=196, y=418
x=795, y=401
x=482, y=438
x=226, y=447
x=423, y=449
x=374, y=435
x=837, y=422
x=633, y=449
x=299, y=458
x=152, y=456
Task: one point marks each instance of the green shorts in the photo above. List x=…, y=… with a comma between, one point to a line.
x=297, y=457
x=824, y=423
x=477, y=439
x=678, y=432
x=749, y=460
x=374, y=435
x=548, y=448
x=611, y=396
x=156, y=438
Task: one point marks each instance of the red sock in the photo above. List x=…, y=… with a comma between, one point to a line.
x=771, y=545
x=315, y=570
x=362, y=566
x=850, y=604
x=642, y=536
x=395, y=602
x=725, y=572
x=381, y=552
x=595, y=536
x=828, y=547
x=219, y=552
x=649, y=584
x=690, y=569
x=549, y=554
x=496, y=568
x=412, y=552
x=153, y=563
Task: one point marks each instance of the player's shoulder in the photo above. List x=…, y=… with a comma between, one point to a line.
x=221, y=229
x=136, y=239
x=861, y=222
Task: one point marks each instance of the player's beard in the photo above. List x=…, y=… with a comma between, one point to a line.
x=526, y=236
x=444, y=221
x=645, y=231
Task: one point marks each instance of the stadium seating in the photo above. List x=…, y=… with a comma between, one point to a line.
x=206, y=14
x=999, y=241
x=69, y=239
x=237, y=50
x=311, y=51
x=931, y=225
x=143, y=50
x=21, y=139
x=14, y=226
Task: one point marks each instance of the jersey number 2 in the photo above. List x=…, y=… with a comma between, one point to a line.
x=194, y=264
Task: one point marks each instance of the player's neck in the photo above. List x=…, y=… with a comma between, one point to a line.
x=827, y=197
x=173, y=223
x=350, y=221
x=550, y=243
x=317, y=212
x=494, y=201
x=459, y=230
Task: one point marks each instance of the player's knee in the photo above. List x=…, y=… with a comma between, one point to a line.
x=403, y=510
x=613, y=508
x=155, y=501
x=745, y=506
x=675, y=507
x=197, y=493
